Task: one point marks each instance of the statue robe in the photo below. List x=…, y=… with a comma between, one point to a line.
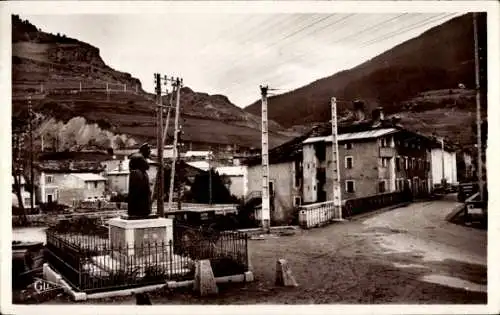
x=139, y=194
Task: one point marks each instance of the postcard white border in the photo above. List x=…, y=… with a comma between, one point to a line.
x=250, y=7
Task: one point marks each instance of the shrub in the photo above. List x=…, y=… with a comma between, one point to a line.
x=52, y=207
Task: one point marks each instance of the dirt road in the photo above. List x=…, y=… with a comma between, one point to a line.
x=405, y=255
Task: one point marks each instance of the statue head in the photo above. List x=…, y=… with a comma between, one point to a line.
x=145, y=150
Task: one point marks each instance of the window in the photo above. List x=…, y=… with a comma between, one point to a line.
x=49, y=179
x=412, y=163
x=382, y=186
x=383, y=142
x=348, y=162
x=398, y=165
x=95, y=184
x=349, y=186
x=348, y=146
x=385, y=162
x=296, y=201
x=271, y=188
x=298, y=173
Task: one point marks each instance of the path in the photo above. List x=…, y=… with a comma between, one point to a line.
x=406, y=255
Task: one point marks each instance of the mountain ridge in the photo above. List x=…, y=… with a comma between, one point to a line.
x=67, y=78
x=439, y=59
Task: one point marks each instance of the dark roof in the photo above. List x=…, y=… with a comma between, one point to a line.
x=286, y=152
x=70, y=166
x=289, y=150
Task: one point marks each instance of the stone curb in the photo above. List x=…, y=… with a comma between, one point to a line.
x=245, y=277
x=51, y=275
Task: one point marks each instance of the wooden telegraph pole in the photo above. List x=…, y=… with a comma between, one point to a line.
x=337, y=198
x=159, y=147
x=266, y=209
x=478, y=111
x=32, y=175
x=178, y=84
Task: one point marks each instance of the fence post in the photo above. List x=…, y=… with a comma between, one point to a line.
x=246, y=253
x=170, y=253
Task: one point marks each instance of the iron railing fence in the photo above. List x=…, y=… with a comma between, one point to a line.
x=365, y=204
x=321, y=213
x=90, y=263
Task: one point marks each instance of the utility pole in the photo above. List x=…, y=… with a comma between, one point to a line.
x=178, y=83
x=337, y=197
x=159, y=146
x=32, y=176
x=443, y=178
x=478, y=111
x=180, y=187
x=210, y=176
x=170, y=105
x=165, y=131
x=266, y=211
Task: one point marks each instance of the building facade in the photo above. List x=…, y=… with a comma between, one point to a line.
x=285, y=180
x=66, y=188
x=371, y=162
x=444, y=166
x=235, y=177
x=284, y=189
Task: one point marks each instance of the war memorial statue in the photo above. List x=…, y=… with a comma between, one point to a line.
x=139, y=195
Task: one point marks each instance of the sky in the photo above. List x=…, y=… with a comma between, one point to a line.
x=233, y=53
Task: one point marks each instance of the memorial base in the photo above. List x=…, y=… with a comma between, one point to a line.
x=141, y=241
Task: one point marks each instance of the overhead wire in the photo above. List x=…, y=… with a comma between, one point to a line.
x=247, y=53
x=380, y=39
x=378, y=25
x=289, y=35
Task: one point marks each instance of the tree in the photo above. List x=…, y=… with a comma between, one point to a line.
x=200, y=192
x=17, y=169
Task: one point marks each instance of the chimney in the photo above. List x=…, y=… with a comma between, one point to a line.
x=359, y=110
x=378, y=114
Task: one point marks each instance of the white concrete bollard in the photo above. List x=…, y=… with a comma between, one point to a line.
x=204, y=280
x=284, y=276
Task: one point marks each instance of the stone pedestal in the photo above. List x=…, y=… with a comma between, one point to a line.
x=139, y=239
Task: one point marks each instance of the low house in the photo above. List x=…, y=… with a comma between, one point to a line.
x=443, y=165
x=235, y=177
x=68, y=181
x=118, y=178
x=285, y=181
x=25, y=195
